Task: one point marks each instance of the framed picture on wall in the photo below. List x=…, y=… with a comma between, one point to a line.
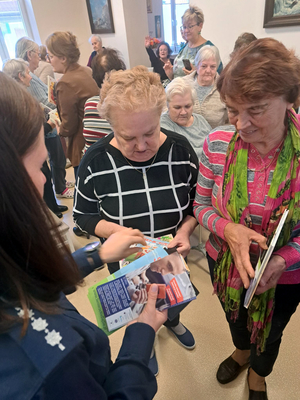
x=281, y=13
x=149, y=6
x=100, y=16
x=157, y=26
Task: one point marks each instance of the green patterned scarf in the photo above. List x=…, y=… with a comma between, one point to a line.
x=232, y=203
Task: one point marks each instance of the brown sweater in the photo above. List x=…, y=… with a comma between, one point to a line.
x=73, y=89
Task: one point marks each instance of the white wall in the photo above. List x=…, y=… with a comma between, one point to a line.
x=72, y=15
x=156, y=10
x=226, y=20
x=135, y=16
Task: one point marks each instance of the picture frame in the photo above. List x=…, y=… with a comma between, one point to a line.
x=149, y=6
x=100, y=16
x=157, y=26
x=281, y=13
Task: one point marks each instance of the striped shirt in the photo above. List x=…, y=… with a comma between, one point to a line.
x=94, y=127
x=209, y=179
x=39, y=91
x=152, y=198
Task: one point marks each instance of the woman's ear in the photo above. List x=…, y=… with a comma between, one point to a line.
x=28, y=55
x=64, y=60
x=21, y=77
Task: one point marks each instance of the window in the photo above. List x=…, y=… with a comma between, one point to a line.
x=14, y=24
x=173, y=10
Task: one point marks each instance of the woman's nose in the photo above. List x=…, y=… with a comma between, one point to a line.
x=241, y=121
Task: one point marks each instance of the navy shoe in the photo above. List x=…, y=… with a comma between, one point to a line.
x=186, y=340
x=153, y=365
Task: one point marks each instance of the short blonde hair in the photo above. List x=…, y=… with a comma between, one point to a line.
x=132, y=90
x=193, y=12
x=180, y=86
x=64, y=44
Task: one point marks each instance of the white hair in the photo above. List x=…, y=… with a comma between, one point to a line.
x=207, y=52
x=15, y=67
x=24, y=45
x=98, y=37
x=180, y=86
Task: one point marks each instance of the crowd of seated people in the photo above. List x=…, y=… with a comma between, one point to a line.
x=152, y=151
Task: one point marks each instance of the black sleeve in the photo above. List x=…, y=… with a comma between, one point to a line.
x=156, y=64
x=85, y=211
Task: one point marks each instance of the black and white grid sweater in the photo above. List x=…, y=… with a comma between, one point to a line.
x=155, y=202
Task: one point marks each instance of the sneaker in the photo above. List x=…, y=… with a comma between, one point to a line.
x=66, y=194
x=70, y=184
x=186, y=340
x=153, y=365
x=68, y=163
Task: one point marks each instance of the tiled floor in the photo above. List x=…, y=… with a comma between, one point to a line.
x=190, y=375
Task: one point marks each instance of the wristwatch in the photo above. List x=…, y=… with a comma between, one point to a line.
x=92, y=253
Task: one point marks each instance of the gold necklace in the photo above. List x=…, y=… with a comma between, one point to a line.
x=143, y=173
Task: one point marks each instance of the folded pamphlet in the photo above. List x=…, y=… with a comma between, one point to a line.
x=263, y=262
x=121, y=297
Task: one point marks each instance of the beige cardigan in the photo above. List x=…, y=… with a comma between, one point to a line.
x=212, y=108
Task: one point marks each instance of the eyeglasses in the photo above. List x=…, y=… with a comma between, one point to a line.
x=36, y=52
x=187, y=28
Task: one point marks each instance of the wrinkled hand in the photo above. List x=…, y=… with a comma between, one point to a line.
x=188, y=72
x=168, y=68
x=272, y=273
x=140, y=296
x=117, y=246
x=182, y=241
x=239, y=238
x=150, y=315
x=147, y=41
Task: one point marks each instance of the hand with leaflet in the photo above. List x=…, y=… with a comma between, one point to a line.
x=239, y=239
x=117, y=246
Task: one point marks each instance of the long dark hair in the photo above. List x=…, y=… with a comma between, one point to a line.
x=34, y=265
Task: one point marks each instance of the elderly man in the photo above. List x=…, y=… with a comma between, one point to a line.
x=96, y=42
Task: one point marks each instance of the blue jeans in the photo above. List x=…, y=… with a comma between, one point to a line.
x=287, y=298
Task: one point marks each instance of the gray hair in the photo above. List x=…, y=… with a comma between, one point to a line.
x=98, y=37
x=180, y=86
x=207, y=52
x=15, y=67
x=24, y=45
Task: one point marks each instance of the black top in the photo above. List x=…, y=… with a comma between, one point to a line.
x=157, y=64
x=155, y=202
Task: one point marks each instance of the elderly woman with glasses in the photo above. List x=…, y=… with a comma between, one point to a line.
x=204, y=79
x=192, y=24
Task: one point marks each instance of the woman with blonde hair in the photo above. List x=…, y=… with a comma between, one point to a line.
x=192, y=24
x=72, y=90
x=141, y=175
